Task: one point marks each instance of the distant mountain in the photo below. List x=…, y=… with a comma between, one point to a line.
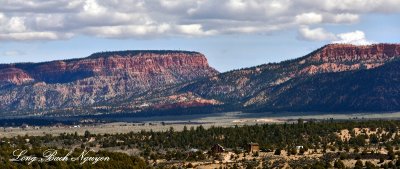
x=101, y=79
x=302, y=84
x=335, y=77
x=369, y=90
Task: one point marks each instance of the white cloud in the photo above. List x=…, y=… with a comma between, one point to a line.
x=355, y=38
x=317, y=34
x=91, y=7
x=24, y=36
x=237, y=4
x=346, y=18
x=341, y=18
x=309, y=18
x=194, y=30
x=48, y=22
x=358, y=6
x=16, y=24
x=2, y=18
x=52, y=20
x=139, y=31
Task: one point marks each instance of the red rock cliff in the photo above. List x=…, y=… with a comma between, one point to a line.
x=345, y=57
x=14, y=75
x=102, y=78
x=352, y=53
x=111, y=64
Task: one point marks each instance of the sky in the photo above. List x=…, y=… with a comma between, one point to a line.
x=232, y=34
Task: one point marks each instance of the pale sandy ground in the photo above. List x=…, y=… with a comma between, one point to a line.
x=118, y=127
x=178, y=122
x=222, y=120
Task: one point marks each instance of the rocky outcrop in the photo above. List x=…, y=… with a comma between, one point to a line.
x=355, y=54
x=102, y=78
x=331, y=58
x=352, y=77
x=15, y=76
x=345, y=57
x=132, y=63
x=372, y=90
x=255, y=87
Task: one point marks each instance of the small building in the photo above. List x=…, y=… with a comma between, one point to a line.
x=24, y=126
x=193, y=150
x=120, y=141
x=253, y=147
x=217, y=149
x=299, y=147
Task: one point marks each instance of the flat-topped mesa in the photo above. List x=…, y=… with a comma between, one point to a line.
x=105, y=78
x=354, y=53
x=132, y=63
x=131, y=59
x=130, y=53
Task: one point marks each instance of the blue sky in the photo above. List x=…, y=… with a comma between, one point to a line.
x=231, y=33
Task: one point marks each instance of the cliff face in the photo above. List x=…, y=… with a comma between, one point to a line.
x=110, y=64
x=344, y=57
x=103, y=78
x=331, y=58
x=14, y=75
x=335, y=77
x=255, y=86
x=356, y=54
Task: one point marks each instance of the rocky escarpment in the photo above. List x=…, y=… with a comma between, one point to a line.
x=366, y=90
x=132, y=63
x=336, y=77
x=255, y=87
x=102, y=78
x=354, y=54
x=14, y=76
x=344, y=57
x=331, y=59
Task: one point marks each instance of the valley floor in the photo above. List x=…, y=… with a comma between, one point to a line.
x=164, y=123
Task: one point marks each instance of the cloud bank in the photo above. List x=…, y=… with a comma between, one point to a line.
x=319, y=34
x=22, y=20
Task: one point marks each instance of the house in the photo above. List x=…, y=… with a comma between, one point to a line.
x=120, y=141
x=253, y=147
x=24, y=126
x=193, y=150
x=217, y=149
